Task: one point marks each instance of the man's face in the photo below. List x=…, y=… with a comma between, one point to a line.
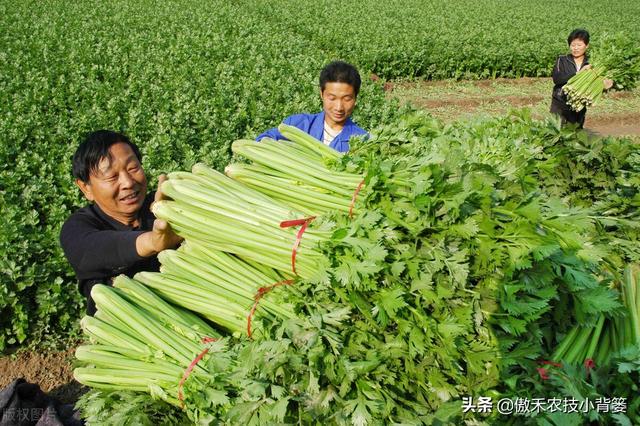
x=118, y=186
x=338, y=101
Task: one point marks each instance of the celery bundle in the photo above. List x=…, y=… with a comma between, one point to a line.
x=610, y=335
x=585, y=88
x=295, y=173
x=311, y=194
x=140, y=342
x=301, y=173
x=216, y=285
x=145, y=336
x=219, y=213
x=616, y=57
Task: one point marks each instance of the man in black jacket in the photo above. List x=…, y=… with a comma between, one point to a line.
x=117, y=234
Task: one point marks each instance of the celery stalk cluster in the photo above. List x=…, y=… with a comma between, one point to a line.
x=139, y=342
x=216, y=212
x=609, y=335
x=585, y=88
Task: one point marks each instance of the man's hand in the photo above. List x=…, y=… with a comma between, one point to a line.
x=608, y=83
x=161, y=237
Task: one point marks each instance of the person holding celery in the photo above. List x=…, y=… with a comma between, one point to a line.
x=567, y=66
x=339, y=87
x=117, y=233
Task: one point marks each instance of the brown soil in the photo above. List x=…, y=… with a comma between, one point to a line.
x=524, y=81
x=614, y=124
x=470, y=104
x=52, y=371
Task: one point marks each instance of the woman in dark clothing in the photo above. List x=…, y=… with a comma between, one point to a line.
x=566, y=67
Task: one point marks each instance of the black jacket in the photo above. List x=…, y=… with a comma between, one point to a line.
x=563, y=70
x=99, y=248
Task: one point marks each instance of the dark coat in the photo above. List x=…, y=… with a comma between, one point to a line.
x=563, y=70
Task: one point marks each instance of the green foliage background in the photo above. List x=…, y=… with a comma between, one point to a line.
x=184, y=79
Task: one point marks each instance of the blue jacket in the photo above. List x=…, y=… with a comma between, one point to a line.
x=313, y=124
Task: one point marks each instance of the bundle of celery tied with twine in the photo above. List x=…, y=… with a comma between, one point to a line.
x=616, y=57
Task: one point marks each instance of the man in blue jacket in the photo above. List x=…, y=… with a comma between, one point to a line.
x=339, y=87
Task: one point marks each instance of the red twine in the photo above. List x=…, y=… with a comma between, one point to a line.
x=261, y=292
x=555, y=364
x=353, y=199
x=589, y=364
x=544, y=374
x=187, y=372
x=297, y=222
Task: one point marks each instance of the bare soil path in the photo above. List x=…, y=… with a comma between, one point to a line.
x=617, y=114
x=52, y=371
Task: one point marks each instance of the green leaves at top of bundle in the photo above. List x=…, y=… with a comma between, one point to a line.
x=616, y=57
x=446, y=242
x=619, y=55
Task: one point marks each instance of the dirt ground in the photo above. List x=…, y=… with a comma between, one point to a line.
x=617, y=113
x=624, y=124
x=53, y=371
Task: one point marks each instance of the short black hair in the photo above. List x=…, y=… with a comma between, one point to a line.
x=94, y=148
x=579, y=33
x=340, y=72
